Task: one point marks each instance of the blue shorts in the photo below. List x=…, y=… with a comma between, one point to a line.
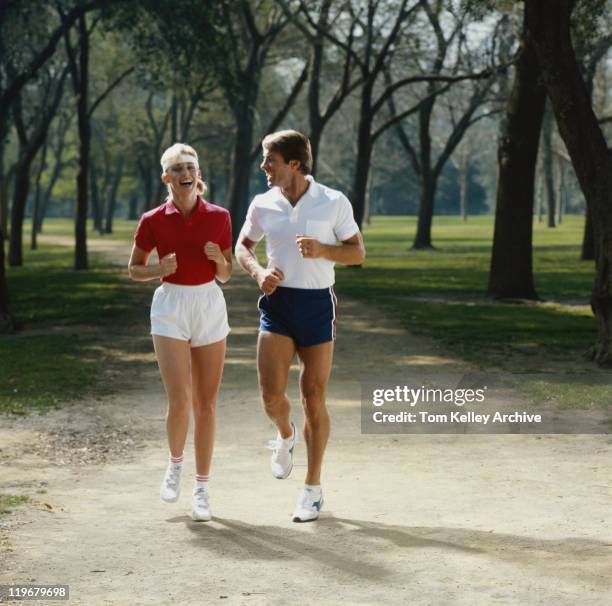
x=306, y=315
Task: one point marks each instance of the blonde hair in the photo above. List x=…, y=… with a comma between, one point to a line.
x=173, y=154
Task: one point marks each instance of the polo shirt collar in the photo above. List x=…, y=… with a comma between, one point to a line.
x=171, y=207
x=312, y=189
x=310, y=192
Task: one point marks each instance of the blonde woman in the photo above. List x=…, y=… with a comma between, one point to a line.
x=193, y=239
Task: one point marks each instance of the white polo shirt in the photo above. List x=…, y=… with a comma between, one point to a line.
x=321, y=213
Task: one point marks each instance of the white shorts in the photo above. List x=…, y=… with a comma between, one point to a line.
x=190, y=313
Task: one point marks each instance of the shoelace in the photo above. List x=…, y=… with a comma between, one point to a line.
x=173, y=477
x=278, y=444
x=201, y=496
x=308, y=499
x=275, y=445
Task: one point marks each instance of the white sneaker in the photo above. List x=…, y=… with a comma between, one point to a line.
x=281, y=461
x=171, y=485
x=201, y=508
x=308, y=506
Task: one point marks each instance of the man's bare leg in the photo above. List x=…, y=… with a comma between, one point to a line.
x=315, y=368
x=275, y=353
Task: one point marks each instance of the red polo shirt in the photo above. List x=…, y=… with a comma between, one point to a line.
x=165, y=229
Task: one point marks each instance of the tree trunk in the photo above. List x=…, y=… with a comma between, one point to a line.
x=111, y=201
x=7, y=322
x=147, y=185
x=539, y=196
x=212, y=184
x=96, y=211
x=133, y=208
x=364, y=154
x=464, y=182
x=549, y=24
x=57, y=170
x=314, y=136
x=561, y=194
x=3, y=182
x=37, y=198
x=20, y=197
x=238, y=188
x=511, y=274
x=5, y=188
x=84, y=130
x=588, y=242
x=428, y=186
x=547, y=165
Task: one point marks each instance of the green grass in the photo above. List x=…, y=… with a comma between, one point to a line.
x=63, y=313
x=8, y=500
x=440, y=293
x=122, y=229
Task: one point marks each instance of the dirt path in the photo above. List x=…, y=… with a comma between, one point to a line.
x=427, y=520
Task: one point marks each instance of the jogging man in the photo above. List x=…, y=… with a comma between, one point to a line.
x=308, y=228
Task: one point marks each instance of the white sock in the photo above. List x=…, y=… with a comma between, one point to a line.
x=201, y=481
x=176, y=461
x=313, y=487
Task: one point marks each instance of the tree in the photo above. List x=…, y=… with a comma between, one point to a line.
x=78, y=62
x=547, y=165
x=548, y=24
x=511, y=273
x=316, y=22
x=230, y=40
x=29, y=145
x=420, y=152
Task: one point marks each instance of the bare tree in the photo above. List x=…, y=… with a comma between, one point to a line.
x=78, y=62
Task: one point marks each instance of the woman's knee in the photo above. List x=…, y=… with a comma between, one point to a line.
x=179, y=401
x=204, y=408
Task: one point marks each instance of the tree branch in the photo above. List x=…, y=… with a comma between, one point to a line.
x=110, y=87
x=432, y=78
x=280, y=116
x=408, y=112
x=13, y=88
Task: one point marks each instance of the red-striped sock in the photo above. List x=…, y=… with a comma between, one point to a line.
x=201, y=481
x=176, y=460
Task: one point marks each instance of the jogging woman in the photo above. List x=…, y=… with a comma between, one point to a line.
x=189, y=324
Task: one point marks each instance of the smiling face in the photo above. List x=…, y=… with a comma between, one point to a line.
x=182, y=178
x=278, y=172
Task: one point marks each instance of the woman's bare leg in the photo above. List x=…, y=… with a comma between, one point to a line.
x=206, y=371
x=174, y=361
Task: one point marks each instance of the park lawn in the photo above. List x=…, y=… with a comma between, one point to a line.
x=63, y=313
x=440, y=294
x=122, y=229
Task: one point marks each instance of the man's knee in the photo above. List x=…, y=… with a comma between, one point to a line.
x=272, y=399
x=313, y=401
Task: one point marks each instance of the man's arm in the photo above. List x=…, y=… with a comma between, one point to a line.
x=267, y=279
x=349, y=252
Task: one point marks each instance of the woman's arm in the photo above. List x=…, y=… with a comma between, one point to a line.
x=139, y=269
x=222, y=259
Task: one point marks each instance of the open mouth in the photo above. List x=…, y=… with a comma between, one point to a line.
x=187, y=183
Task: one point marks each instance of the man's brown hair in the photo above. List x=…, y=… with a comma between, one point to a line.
x=291, y=145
